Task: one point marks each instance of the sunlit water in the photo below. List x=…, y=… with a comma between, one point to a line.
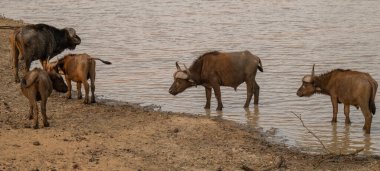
x=144, y=38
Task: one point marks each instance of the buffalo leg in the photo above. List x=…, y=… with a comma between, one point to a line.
x=218, y=96
x=30, y=110
x=347, y=113
x=79, y=90
x=256, y=91
x=35, y=113
x=86, y=89
x=28, y=62
x=92, y=79
x=208, y=97
x=43, y=112
x=368, y=118
x=15, y=54
x=334, y=102
x=68, y=81
x=249, y=93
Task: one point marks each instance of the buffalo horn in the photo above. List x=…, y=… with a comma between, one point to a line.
x=312, y=71
x=187, y=69
x=71, y=31
x=178, y=68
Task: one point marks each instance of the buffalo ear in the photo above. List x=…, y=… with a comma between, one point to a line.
x=178, y=67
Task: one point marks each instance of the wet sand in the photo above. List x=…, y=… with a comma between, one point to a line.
x=112, y=135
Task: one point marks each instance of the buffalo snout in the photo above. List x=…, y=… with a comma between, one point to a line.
x=172, y=91
x=299, y=92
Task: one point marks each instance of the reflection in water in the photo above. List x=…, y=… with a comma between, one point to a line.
x=367, y=145
x=342, y=143
x=252, y=118
x=339, y=144
x=146, y=40
x=219, y=113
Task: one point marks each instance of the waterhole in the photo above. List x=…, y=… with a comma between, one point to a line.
x=143, y=39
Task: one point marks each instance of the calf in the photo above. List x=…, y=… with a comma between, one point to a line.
x=78, y=68
x=344, y=86
x=37, y=85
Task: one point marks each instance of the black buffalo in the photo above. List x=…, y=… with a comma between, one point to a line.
x=40, y=41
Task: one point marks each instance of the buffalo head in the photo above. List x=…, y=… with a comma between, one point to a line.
x=182, y=80
x=58, y=82
x=308, y=86
x=72, y=38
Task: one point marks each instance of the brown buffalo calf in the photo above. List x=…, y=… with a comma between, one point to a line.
x=78, y=68
x=344, y=86
x=37, y=85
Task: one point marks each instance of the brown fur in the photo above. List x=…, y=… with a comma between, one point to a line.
x=37, y=85
x=347, y=87
x=215, y=69
x=78, y=68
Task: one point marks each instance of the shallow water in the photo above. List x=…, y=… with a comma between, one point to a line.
x=144, y=38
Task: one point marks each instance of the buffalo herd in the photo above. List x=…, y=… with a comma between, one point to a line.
x=210, y=70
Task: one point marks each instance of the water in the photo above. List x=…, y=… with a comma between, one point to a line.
x=144, y=38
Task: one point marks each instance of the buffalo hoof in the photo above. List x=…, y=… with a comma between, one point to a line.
x=17, y=80
x=93, y=101
x=80, y=97
x=68, y=97
x=246, y=106
x=86, y=101
x=219, y=108
x=207, y=107
x=348, y=122
x=30, y=117
x=35, y=126
x=46, y=124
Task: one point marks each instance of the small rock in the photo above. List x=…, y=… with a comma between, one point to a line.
x=16, y=145
x=36, y=143
x=176, y=130
x=75, y=166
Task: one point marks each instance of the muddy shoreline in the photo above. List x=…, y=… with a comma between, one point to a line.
x=111, y=135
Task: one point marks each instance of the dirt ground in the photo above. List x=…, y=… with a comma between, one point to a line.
x=111, y=135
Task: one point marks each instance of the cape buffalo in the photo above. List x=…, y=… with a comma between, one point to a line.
x=37, y=85
x=78, y=68
x=40, y=41
x=215, y=69
x=344, y=86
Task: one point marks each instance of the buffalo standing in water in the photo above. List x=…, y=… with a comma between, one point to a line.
x=215, y=69
x=40, y=41
x=344, y=86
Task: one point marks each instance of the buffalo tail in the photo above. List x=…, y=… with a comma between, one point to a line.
x=105, y=62
x=25, y=83
x=372, y=106
x=260, y=66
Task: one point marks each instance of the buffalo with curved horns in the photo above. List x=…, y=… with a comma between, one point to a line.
x=215, y=69
x=40, y=42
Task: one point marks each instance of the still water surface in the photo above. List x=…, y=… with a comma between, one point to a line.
x=144, y=38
